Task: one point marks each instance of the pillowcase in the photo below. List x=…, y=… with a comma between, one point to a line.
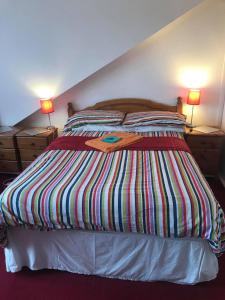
x=84, y=117
x=154, y=118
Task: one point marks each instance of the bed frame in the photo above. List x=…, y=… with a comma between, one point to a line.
x=178, y=261
x=131, y=105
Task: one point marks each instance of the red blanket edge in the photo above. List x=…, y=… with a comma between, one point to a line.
x=77, y=143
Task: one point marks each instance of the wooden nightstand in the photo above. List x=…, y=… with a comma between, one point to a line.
x=31, y=146
x=206, y=149
x=9, y=155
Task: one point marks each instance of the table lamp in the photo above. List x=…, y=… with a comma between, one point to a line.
x=47, y=107
x=193, y=99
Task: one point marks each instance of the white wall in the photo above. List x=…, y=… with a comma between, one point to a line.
x=154, y=69
x=54, y=44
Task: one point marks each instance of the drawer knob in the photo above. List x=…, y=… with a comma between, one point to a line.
x=35, y=156
x=33, y=144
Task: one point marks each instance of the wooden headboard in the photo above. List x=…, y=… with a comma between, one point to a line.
x=131, y=105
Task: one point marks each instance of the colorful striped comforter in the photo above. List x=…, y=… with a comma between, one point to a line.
x=152, y=192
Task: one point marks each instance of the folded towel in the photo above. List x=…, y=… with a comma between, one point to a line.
x=124, y=139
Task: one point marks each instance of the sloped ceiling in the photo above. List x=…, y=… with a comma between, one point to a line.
x=48, y=46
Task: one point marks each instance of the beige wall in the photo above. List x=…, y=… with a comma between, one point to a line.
x=155, y=69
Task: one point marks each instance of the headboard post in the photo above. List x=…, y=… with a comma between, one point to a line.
x=70, y=109
x=179, y=105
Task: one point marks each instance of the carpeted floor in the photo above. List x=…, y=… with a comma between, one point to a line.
x=61, y=285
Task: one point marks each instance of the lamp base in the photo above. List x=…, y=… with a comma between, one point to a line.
x=50, y=127
x=190, y=127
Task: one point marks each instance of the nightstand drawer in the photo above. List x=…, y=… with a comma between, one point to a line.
x=6, y=142
x=32, y=143
x=30, y=147
x=208, y=160
x=9, y=166
x=29, y=154
x=8, y=154
x=211, y=142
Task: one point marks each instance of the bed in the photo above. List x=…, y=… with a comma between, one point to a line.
x=113, y=228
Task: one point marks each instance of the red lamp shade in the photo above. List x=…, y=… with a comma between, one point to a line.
x=194, y=97
x=47, y=106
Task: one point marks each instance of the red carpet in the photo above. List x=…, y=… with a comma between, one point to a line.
x=61, y=285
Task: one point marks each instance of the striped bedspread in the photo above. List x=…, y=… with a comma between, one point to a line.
x=152, y=192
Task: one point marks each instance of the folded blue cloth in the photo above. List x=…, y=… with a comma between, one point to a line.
x=111, y=139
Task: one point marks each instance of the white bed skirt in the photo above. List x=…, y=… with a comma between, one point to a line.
x=116, y=255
